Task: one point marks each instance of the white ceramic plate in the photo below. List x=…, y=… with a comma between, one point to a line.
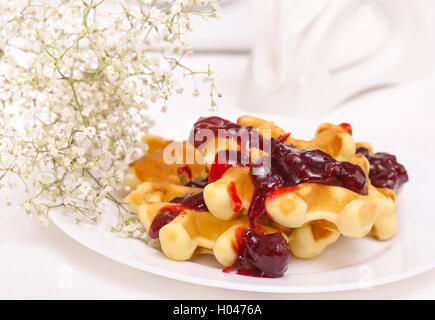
x=347, y=264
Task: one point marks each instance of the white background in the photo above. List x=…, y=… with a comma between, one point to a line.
x=38, y=262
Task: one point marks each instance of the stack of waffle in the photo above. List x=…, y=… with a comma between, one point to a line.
x=178, y=203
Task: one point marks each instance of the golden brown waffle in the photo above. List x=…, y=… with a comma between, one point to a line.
x=154, y=167
x=196, y=232
x=310, y=240
x=214, y=145
x=329, y=138
x=156, y=191
x=366, y=145
x=310, y=216
x=386, y=224
x=352, y=214
x=155, y=143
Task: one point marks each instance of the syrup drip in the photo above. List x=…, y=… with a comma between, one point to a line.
x=210, y=127
x=165, y=215
x=236, y=203
x=192, y=201
x=261, y=255
x=224, y=160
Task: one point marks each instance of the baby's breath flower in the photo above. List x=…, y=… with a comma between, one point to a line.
x=76, y=80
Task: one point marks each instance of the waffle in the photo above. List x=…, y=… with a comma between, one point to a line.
x=156, y=191
x=308, y=216
x=152, y=167
x=386, y=224
x=214, y=145
x=205, y=234
x=195, y=232
x=332, y=139
x=351, y=214
x=310, y=240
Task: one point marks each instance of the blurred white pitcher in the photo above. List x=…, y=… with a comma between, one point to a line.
x=311, y=55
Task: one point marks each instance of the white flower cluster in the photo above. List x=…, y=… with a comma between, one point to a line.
x=76, y=79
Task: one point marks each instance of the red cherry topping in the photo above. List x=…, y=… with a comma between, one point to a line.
x=283, y=138
x=165, y=215
x=347, y=127
x=236, y=203
x=385, y=171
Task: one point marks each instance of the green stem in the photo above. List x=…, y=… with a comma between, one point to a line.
x=79, y=106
